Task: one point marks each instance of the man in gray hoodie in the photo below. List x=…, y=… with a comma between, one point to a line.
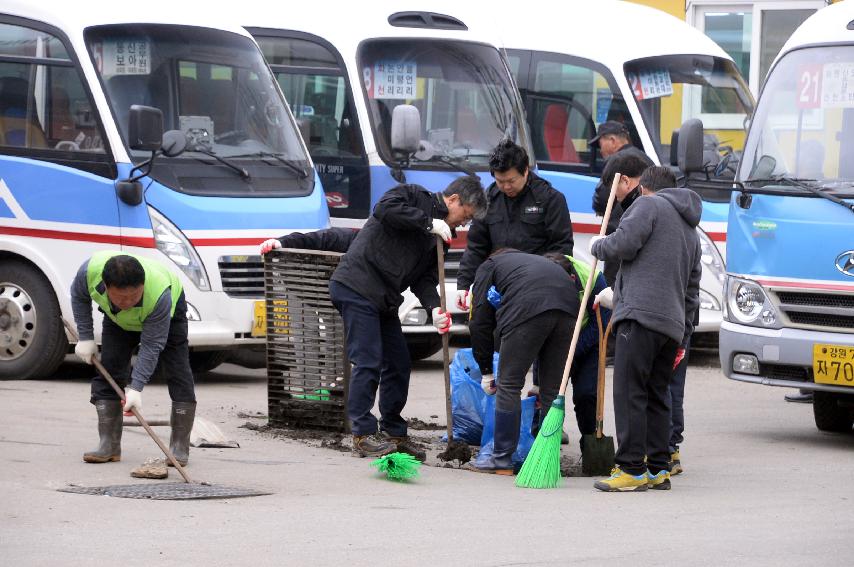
x=655, y=297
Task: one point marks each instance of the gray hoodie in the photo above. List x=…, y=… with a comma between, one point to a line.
x=659, y=281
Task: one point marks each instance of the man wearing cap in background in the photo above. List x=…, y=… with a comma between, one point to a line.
x=613, y=138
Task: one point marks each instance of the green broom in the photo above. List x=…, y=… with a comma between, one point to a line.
x=541, y=468
x=398, y=466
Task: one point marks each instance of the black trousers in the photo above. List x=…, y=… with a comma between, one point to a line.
x=380, y=358
x=643, y=366
x=117, y=346
x=544, y=338
x=677, y=399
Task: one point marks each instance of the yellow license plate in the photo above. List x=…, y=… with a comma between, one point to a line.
x=833, y=364
x=259, y=324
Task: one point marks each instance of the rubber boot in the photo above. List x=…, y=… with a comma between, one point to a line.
x=506, y=438
x=110, y=432
x=183, y=415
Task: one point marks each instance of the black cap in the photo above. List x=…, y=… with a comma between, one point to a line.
x=608, y=128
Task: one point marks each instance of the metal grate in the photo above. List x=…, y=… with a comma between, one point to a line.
x=307, y=367
x=165, y=491
x=816, y=299
x=821, y=319
x=786, y=372
x=242, y=276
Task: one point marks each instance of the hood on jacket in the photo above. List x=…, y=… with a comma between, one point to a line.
x=686, y=202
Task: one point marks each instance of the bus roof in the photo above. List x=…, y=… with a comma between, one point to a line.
x=609, y=31
x=346, y=25
x=828, y=25
x=73, y=18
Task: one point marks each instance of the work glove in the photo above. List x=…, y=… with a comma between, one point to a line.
x=85, y=350
x=487, y=383
x=271, y=244
x=441, y=229
x=133, y=399
x=463, y=299
x=441, y=320
x=604, y=298
x=593, y=240
x=680, y=356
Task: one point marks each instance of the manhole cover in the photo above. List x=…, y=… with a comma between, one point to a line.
x=165, y=491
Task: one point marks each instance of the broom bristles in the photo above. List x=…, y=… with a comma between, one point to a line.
x=541, y=468
x=398, y=466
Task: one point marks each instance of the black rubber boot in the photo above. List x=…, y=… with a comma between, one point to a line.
x=183, y=415
x=506, y=438
x=110, y=432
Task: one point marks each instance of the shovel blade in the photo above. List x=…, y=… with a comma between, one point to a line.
x=597, y=457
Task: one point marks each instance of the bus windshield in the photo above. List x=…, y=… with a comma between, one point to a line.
x=674, y=88
x=212, y=85
x=462, y=91
x=804, y=123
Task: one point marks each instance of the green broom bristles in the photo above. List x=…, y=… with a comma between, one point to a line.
x=398, y=466
x=541, y=468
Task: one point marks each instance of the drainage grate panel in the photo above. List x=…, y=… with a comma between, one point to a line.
x=165, y=491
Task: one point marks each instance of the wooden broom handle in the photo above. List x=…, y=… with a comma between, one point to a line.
x=588, y=288
x=446, y=337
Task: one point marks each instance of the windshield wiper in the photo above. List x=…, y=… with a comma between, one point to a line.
x=809, y=185
x=287, y=163
x=240, y=171
x=450, y=162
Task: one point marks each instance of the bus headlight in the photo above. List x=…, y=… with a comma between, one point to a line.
x=710, y=256
x=748, y=304
x=175, y=246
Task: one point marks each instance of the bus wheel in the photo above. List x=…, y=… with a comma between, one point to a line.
x=32, y=339
x=829, y=414
x=206, y=360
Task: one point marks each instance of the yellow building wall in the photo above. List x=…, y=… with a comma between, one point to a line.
x=672, y=7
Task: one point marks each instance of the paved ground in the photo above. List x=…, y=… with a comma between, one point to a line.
x=762, y=487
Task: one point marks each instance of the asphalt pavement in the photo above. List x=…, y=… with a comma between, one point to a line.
x=761, y=486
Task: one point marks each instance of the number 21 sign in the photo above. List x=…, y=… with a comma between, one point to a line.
x=809, y=86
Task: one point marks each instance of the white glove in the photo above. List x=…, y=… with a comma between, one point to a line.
x=133, y=399
x=593, y=239
x=85, y=350
x=441, y=320
x=605, y=298
x=463, y=299
x=441, y=229
x=271, y=244
x=487, y=383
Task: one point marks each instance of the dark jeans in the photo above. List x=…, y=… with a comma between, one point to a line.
x=677, y=398
x=544, y=338
x=643, y=366
x=117, y=347
x=380, y=358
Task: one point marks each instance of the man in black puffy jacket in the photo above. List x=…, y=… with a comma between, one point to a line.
x=395, y=250
x=525, y=212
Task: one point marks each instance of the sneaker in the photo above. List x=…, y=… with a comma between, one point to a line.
x=473, y=467
x=372, y=446
x=406, y=445
x=675, y=463
x=621, y=481
x=658, y=481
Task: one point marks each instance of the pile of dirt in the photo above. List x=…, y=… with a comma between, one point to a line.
x=312, y=437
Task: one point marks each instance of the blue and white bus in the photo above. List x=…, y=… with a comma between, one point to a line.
x=85, y=95
x=350, y=71
x=789, y=293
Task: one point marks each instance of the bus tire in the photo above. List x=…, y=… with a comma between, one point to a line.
x=424, y=345
x=829, y=415
x=32, y=337
x=206, y=360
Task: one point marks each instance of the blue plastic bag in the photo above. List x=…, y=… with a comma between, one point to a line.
x=526, y=438
x=468, y=400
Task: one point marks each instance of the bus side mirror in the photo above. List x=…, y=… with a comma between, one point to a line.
x=145, y=128
x=405, y=129
x=689, y=153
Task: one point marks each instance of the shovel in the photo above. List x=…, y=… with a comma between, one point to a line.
x=597, y=456
x=456, y=450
